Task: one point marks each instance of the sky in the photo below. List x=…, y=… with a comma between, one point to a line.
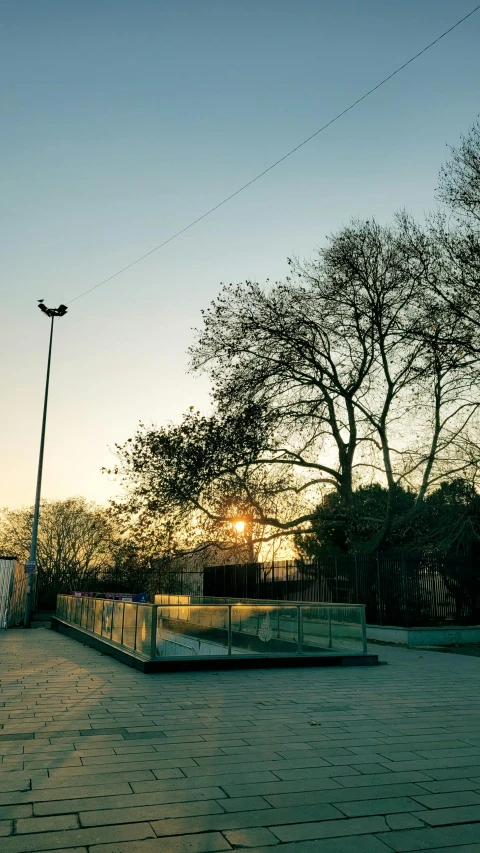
x=123, y=121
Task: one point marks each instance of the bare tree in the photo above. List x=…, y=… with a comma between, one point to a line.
x=339, y=376
x=459, y=183
x=348, y=361
x=448, y=250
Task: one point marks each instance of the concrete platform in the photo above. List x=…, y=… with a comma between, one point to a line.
x=433, y=636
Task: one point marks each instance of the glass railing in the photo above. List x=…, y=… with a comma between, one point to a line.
x=180, y=626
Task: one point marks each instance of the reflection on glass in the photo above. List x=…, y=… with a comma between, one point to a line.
x=117, y=621
x=264, y=629
x=144, y=629
x=107, y=618
x=209, y=627
x=193, y=631
x=97, y=625
x=129, y=622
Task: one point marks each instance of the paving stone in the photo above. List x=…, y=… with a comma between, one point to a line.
x=443, y=817
x=103, y=779
x=448, y=800
x=104, y=817
x=209, y=842
x=128, y=801
x=403, y=821
x=450, y=785
x=6, y=827
x=387, y=805
x=329, y=829
x=14, y=781
x=355, y=844
x=46, y=824
x=382, y=779
x=32, y=843
x=250, y=837
x=270, y=788
x=183, y=782
x=15, y=736
x=244, y=804
x=345, y=795
x=15, y=811
x=242, y=820
x=317, y=772
x=413, y=840
x=463, y=848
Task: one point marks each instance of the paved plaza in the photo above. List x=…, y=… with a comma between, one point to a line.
x=98, y=757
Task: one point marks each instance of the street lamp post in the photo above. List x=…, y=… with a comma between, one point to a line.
x=32, y=560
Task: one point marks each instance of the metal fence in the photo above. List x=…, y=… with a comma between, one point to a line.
x=110, y=579
x=404, y=589
x=408, y=590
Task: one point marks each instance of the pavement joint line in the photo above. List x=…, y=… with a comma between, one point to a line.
x=423, y=743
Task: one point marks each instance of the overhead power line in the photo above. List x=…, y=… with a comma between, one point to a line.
x=280, y=160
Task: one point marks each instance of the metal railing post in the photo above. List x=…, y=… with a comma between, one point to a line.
x=229, y=629
x=135, y=629
x=364, y=629
x=153, y=634
x=123, y=623
x=329, y=627
x=299, y=630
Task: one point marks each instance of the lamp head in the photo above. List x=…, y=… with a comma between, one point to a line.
x=52, y=312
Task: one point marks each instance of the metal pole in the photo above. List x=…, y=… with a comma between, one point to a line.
x=299, y=630
x=364, y=629
x=230, y=629
x=153, y=633
x=36, y=512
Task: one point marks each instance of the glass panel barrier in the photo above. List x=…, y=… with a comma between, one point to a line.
x=263, y=629
x=129, y=624
x=97, y=622
x=144, y=629
x=78, y=611
x=90, y=614
x=117, y=621
x=331, y=627
x=173, y=599
x=83, y=617
x=346, y=628
x=68, y=609
x=192, y=631
x=107, y=619
x=183, y=629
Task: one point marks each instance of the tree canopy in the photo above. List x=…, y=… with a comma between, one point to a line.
x=350, y=390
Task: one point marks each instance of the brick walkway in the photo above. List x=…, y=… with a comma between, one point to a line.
x=97, y=757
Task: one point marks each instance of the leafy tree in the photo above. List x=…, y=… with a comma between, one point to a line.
x=338, y=530
x=200, y=480
x=451, y=519
x=74, y=543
